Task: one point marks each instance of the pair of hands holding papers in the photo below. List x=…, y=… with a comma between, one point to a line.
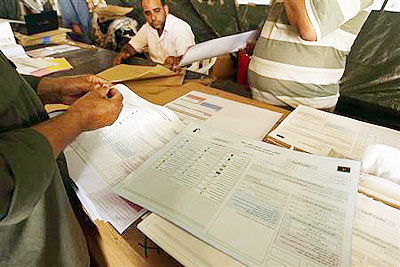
x=128, y=51
x=94, y=104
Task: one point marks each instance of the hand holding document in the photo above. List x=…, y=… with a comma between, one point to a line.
x=99, y=159
x=217, y=47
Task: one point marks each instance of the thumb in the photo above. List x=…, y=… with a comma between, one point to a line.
x=103, y=91
x=115, y=95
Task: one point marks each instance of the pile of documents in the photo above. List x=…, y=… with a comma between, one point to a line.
x=56, y=36
x=25, y=64
x=376, y=226
x=327, y=134
x=257, y=203
x=51, y=50
x=100, y=159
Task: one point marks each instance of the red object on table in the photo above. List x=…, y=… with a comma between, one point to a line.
x=243, y=66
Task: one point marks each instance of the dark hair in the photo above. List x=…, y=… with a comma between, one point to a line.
x=163, y=2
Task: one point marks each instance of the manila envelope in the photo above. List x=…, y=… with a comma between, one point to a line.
x=125, y=72
x=161, y=82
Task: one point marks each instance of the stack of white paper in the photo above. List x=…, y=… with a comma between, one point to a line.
x=99, y=159
x=8, y=45
x=324, y=133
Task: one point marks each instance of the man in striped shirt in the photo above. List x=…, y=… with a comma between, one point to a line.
x=301, y=53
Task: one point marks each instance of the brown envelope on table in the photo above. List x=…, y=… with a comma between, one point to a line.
x=143, y=75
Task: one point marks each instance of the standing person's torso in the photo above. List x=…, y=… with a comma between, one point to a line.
x=291, y=71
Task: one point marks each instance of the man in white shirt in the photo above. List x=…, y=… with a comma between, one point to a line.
x=165, y=36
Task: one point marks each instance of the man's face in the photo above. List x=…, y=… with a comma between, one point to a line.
x=155, y=13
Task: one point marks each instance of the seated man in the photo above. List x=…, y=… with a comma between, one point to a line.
x=166, y=36
x=76, y=16
x=301, y=53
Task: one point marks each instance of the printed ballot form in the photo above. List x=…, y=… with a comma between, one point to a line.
x=318, y=132
x=224, y=114
x=376, y=234
x=259, y=203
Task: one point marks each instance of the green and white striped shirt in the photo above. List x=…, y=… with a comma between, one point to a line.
x=286, y=70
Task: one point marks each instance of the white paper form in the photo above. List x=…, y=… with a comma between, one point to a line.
x=182, y=246
x=8, y=45
x=224, y=114
x=51, y=50
x=217, y=47
x=259, y=203
x=96, y=195
x=7, y=35
x=319, y=132
x=109, y=154
x=376, y=234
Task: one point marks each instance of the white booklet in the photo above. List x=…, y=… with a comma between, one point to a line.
x=259, y=203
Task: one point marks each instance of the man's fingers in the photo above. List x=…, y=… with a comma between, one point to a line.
x=115, y=95
x=103, y=91
x=96, y=79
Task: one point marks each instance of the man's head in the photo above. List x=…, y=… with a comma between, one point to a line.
x=155, y=13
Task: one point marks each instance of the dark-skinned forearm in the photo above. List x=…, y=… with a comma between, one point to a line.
x=48, y=90
x=129, y=49
x=60, y=131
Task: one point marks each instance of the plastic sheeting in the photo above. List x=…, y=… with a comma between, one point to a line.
x=370, y=87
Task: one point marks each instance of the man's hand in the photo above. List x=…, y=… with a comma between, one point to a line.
x=126, y=52
x=97, y=108
x=172, y=63
x=67, y=90
x=77, y=86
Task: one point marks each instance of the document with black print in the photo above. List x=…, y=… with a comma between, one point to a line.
x=259, y=203
x=99, y=159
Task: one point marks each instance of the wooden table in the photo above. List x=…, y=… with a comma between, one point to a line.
x=108, y=247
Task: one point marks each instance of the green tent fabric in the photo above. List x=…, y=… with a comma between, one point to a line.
x=9, y=9
x=182, y=9
x=208, y=19
x=370, y=86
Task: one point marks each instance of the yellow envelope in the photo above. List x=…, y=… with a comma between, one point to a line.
x=125, y=72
